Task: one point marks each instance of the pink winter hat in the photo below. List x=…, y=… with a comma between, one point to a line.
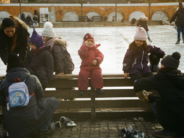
x=140, y=34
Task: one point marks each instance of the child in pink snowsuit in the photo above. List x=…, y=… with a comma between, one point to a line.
x=90, y=67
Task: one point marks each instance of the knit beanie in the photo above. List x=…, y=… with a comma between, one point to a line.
x=48, y=30
x=88, y=37
x=171, y=61
x=14, y=61
x=36, y=39
x=140, y=34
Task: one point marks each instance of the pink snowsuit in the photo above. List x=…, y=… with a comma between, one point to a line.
x=88, y=69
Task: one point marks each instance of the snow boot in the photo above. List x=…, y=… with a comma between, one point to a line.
x=99, y=91
x=178, y=41
x=81, y=93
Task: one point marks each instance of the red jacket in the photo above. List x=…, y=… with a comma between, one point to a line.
x=89, y=54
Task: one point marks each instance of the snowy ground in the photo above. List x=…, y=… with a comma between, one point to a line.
x=114, y=43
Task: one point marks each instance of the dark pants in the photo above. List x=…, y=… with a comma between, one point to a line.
x=139, y=75
x=180, y=30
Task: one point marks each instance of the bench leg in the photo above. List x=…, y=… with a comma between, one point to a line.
x=93, y=106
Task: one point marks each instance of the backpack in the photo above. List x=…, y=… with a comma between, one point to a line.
x=18, y=94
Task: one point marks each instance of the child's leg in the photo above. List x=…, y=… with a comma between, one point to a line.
x=96, y=78
x=136, y=76
x=83, y=82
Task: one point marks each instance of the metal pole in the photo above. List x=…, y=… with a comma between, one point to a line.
x=149, y=8
x=81, y=9
x=116, y=12
x=20, y=7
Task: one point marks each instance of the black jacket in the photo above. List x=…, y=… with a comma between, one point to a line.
x=179, y=15
x=7, y=42
x=170, y=107
x=62, y=60
x=35, y=19
x=22, y=121
x=41, y=65
x=28, y=20
x=143, y=23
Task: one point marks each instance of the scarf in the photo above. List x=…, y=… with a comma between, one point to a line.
x=51, y=42
x=36, y=51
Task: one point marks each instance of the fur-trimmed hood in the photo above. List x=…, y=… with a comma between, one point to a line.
x=19, y=21
x=143, y=18
x=61, y=42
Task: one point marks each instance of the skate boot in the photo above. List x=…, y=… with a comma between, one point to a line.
x=178, y=41
x=149, y=39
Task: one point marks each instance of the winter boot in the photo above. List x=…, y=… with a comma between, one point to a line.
x=149, y=39
x=99, y=91
x=143, y=95
x=45, y=134
x=178, y=41
x=162, y=134
x=81, y=93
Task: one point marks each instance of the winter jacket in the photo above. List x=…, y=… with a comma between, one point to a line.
x=28, y=20
x=41, y=65
x=7, y=42
x=136, y=60
x=179, y=15
x=62, y=60
x=35, y=19
x=88, y=55
x=23, y=17
x=22, y=121
x=171, y=105
x=142, y=22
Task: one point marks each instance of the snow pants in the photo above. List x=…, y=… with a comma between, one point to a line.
x=95, y=73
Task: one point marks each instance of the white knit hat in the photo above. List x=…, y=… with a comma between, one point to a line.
x=48, y=30
x=140, y=34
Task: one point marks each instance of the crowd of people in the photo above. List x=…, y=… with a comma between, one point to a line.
x=32, y=60
x=29, y=20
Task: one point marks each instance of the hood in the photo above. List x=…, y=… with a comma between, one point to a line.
x=61, y=42
x=176, y=77
x=143, y=18
x=180, y=6
x=20, y=22
x=18, y=72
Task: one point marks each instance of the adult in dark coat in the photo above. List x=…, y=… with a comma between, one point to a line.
x=23, y=17
x=142, y=22
x=14, y=38
x=28, y=20
x=22, y=121
x=179, y=15
x=170, y=105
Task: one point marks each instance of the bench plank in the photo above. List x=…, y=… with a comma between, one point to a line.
x=75, y=94
x=108, y=82
x=104, y=104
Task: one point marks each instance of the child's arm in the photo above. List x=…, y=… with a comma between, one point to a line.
x=58, y=57
x=99, y=57
x=127, y=61
x=83, y=52
x=49, y=66
x=156, y=50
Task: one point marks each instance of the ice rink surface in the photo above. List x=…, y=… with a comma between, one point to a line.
x=114, y=43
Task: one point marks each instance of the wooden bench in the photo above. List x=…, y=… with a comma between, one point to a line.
x=115, y=86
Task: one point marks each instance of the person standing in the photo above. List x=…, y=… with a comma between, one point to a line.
x=29, y=20
x=142, y=22
x=23, y=17
x=14, y=37
x=35, y=19
x=179, y=17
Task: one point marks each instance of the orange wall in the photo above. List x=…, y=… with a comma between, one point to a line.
x=5, y=1
x=102, y=10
